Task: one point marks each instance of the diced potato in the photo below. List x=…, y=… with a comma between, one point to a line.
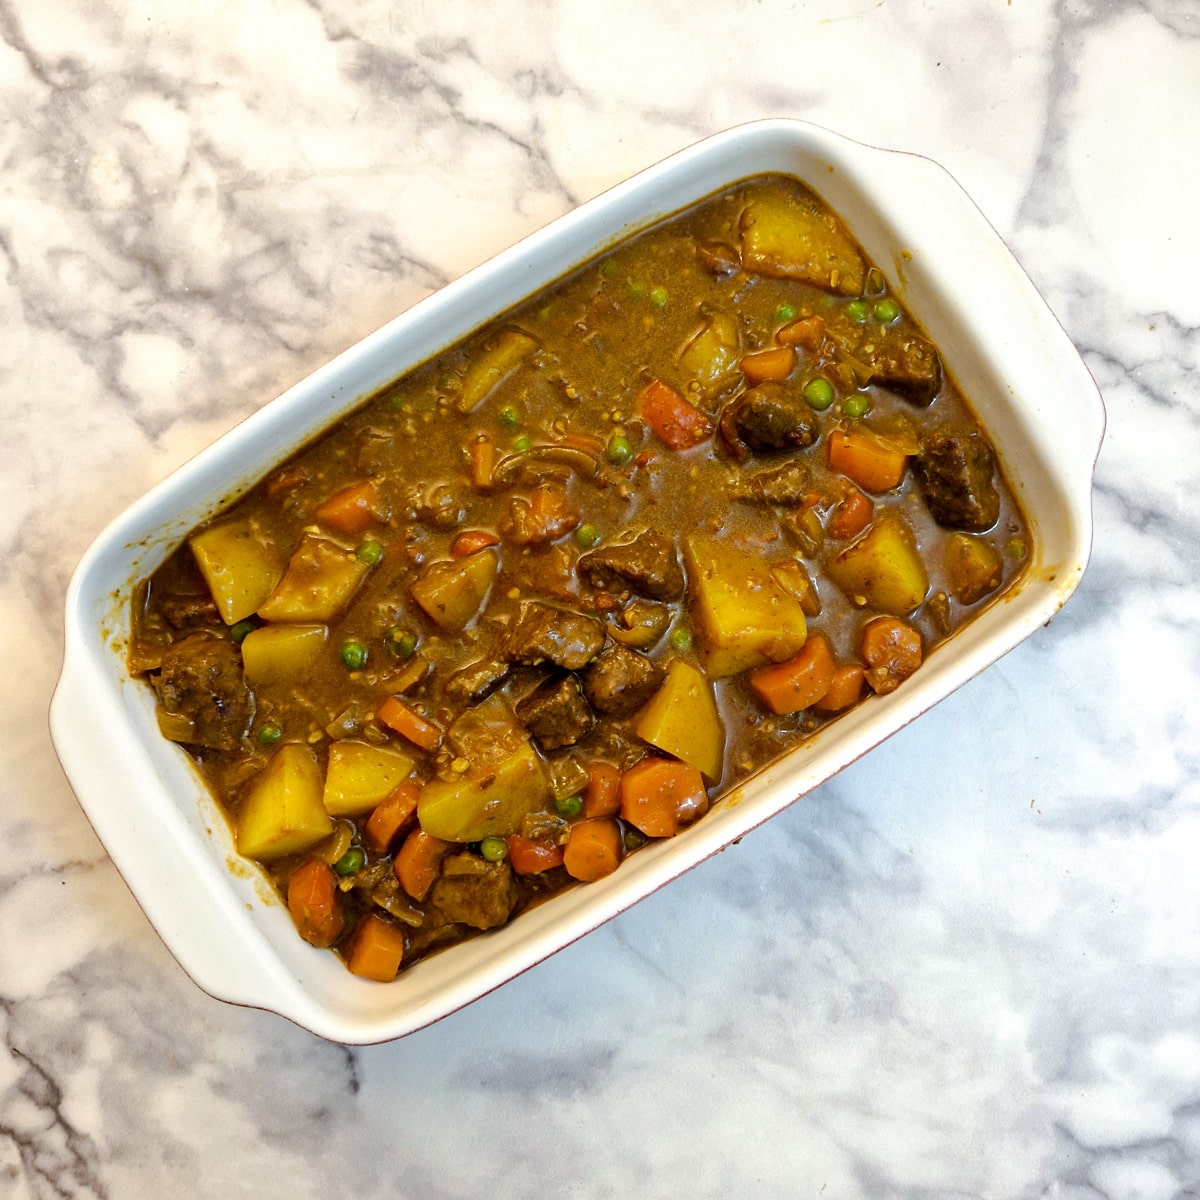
x=681, y=719
x=360, y=775
x=240, y=571
x=452, y=592
x=744, y=618
x=283, y=813
x=491, y=803
x=796, y=237
x=712, y=356
x=279, y=652
x=882, y=568
x=974, y=567
x=320, y=581
x=487, y=369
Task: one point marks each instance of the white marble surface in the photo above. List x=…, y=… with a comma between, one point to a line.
x=963, y=972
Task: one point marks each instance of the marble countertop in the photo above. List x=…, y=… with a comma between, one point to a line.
x=963, y=972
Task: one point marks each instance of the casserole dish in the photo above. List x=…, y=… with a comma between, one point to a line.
x=152, y=810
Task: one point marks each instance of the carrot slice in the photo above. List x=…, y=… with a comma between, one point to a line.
x=851, y=515
x=593, y=849
x=408, y=723
x=867, y=459
x=602, y=796
x=472, y=540
x=891, y=648
x=483, y=462
x=660, y=796
x=313, y=901
x=798, y=683
x=377, y=949
x=845, y=689
x=532, y=856
x=351, y=510
x=418, y=862
x=808, y=332
x=391, y=816
x=680, y=424
x=773, y=364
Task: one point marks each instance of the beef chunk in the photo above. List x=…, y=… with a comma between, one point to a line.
x=545, y=633
x=472, y=891
x=620, y=681
x=788, y=484
x=904, y=363
x=648, y=566
x=202, y=682
x=190, y=610
x=954, y=469
x=556, y=713
x=478, y=680
x=772, y=417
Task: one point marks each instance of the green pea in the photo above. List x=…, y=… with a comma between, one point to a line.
x=569, y=806
x=859, y=311
x=369, y=553
x=1016, y=548
x=681, y=638
x=634, y=838
x=607, y=267
x=785, y=312
x=350, y=863
x=494, y=849
x=544, y=311
x=587, y=535
x=658, y=297
x=354, y=655
x=886, y=310
x=238, y=632
x=619, y=449
x=270, y=735
x=857, y=405
x=401, y=642
x=509, y=416
x=637, y=289
x=521, y=444
x=818, y=392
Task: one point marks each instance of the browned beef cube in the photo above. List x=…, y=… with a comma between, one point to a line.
x=954, y=469
x=472, y=891
x=648, y=566
x=773, y=417
x=203, y=685
x=620, y=681
x=478, y=680
x=546, y=633
x=556, y=713
x=903, y=362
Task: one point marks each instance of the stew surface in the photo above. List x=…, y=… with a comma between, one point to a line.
x=547, y=596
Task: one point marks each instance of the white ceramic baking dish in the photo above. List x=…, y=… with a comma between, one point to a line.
x=165, y=833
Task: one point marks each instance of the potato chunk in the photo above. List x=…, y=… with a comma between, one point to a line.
x=795, y=237
x=320, y=581
x=283, y=813
x=743, y=616
x=490, y=803
x=882, y=568
x=278, y=652
x=487, y=369
x=241, y=572
x=681, y=719
x=711, y=356
x=451, y=592
x=360, y=775
x=974, y=567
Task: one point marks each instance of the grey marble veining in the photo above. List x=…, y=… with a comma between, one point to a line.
x=967, y=967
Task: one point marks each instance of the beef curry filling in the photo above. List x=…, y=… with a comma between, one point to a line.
x=549, y=596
